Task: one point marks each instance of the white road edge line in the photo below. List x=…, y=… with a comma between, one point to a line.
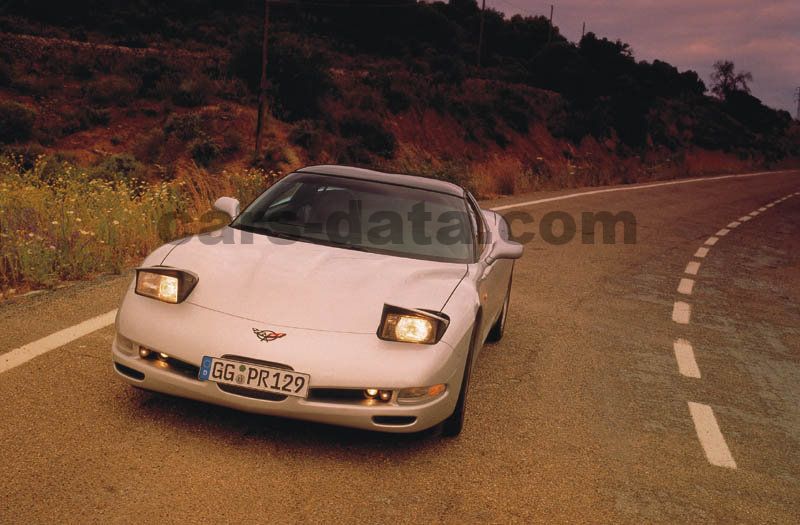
x=684, y=355
x=25, y=353
x=633, y=188
x=701, y=252
x=692, y=268
x=681, y=312
x=710, y=436
x=685, y=286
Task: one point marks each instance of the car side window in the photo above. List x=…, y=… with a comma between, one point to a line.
x=478, y=225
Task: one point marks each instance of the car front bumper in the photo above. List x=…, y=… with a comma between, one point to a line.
x=334, y=361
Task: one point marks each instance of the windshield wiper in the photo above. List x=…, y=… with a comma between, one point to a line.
x=296, y=237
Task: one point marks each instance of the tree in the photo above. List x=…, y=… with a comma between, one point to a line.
x=725, y=80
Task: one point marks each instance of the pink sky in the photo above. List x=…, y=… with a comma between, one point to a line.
x=762, y=37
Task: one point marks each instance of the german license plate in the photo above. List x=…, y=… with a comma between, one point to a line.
x=255, y=377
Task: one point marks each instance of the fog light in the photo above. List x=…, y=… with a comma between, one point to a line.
x=144, y=353
x=385, y=395
x=371, y=393
x=163, y=355
x=420, y=393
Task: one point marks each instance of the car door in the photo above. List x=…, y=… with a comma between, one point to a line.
x=487, y=276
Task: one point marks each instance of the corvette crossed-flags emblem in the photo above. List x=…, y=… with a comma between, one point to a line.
x=267, y=335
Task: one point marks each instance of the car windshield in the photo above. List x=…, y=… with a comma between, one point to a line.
x=363, y=215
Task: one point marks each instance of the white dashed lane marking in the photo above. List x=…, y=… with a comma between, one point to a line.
x=681, y=312
x=685, y=286
x=710, y=436
x=684, y=355
x=692, y=268
x=705, y=423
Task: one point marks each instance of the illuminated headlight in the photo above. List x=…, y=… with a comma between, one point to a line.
x=411, y=326
x=165, y=284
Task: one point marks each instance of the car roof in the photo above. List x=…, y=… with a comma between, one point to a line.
x=413, y=181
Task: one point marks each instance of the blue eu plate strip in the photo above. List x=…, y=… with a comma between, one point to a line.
x=205, y=369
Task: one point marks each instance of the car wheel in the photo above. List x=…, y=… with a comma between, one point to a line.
x=452, y=426
x=496, y=333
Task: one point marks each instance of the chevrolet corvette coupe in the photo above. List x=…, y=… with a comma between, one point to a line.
x=340, y=295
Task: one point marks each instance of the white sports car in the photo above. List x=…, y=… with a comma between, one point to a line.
x=340, y=295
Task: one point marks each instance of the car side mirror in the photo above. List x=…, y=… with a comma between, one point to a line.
x=504, y=249
x=227, y=205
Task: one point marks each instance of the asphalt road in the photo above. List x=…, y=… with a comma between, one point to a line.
x=579, y=415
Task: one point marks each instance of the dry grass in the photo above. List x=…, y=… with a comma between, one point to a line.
x=58, y=223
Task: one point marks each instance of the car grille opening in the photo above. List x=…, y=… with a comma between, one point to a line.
x=130, y=372
x=249, y=392
x=183, y=368
x=394, y=421
x=257, y=361
x=336, y=395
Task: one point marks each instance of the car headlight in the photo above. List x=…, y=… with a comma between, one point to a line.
x=165, y=284
x=411, y=326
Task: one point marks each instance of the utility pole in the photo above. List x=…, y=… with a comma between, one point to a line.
x=550, y=32
x=583, y=31
x=262, y=94
x=480, y=33
x=797, y=96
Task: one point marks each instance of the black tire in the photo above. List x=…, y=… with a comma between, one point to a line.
x=499, y=328
x=454, y=424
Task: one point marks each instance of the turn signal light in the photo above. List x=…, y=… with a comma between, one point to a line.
x=420, y=393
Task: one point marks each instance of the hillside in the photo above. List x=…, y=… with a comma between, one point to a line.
x=116, y=117
x=392, y=86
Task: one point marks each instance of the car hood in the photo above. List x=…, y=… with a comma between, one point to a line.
x=285, y=284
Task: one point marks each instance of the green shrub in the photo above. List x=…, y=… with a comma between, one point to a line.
x=6, y=74
x=123, y=168
x=111, y=90
x=150, y=146
x=85, y=118
x=193, y=91
x=154, y=74
x=35, y=85
x=185, y=126
x=307, y=135
x=514, y=109
x=205, y=150
x=298, y=72
x=232, y=142
x=369, y=132
x=16, y=122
